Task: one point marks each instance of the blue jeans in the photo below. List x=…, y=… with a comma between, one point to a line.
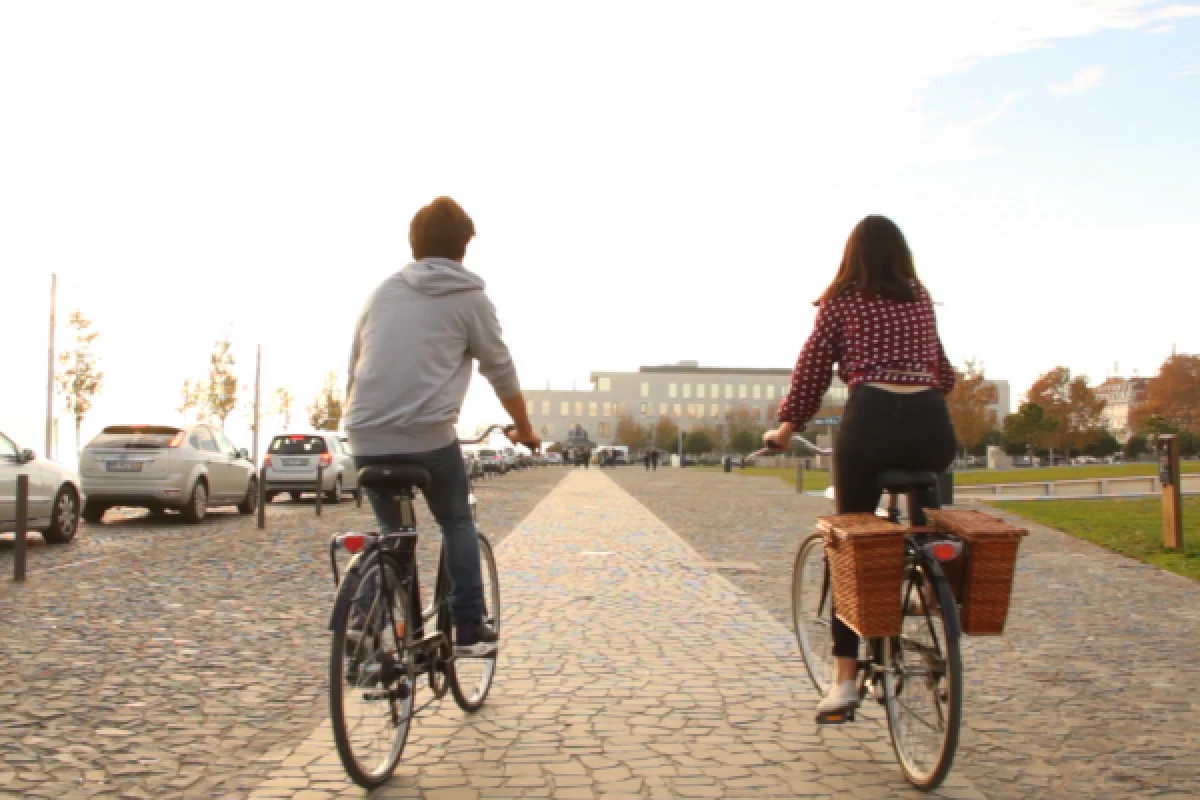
x=448, y=500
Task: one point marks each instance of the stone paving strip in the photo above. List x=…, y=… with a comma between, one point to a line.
x=152, y=659
x=627, y=670
x=1093, y=691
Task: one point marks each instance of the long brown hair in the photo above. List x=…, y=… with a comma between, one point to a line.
x=876, y=262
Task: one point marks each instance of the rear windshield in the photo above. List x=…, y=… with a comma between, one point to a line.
x=297, y=445
x=487, y=453
x=135, y=436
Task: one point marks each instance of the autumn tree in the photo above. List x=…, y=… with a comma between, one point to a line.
x=216, y=396
x=744, y=441
x=968, y=404
x=80, y=381
x=698, y=442
x=1173, y=395
x=283, y=400
x=325, y=413
x=1073, y=405
x=631, y=434
x=666, y=434
x=1031, y=426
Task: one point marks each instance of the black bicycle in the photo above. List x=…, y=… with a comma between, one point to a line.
x=385, y=641
x=916, y=676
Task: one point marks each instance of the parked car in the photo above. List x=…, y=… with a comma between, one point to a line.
x=510, y=458
x=161, y=467
x=291, y=463
x=493, y=461
x=471, y=464
x=55, y=494
x=554, y=458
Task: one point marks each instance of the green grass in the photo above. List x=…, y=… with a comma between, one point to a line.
x=1132, y=527
x=815, y=480
x=974, y=477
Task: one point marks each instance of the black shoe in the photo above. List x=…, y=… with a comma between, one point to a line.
x=475, y=640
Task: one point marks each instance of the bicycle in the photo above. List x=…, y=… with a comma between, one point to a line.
x=916, y=676
x=381, y=647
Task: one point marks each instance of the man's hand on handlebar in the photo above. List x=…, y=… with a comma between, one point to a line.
x=779, y=439
x=526, y=437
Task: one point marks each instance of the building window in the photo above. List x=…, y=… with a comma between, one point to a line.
x=729, y=391
x=756, y=413
x=604, y=384
x=715, y=391
x=771, y=391
x=700, y=390
x=579, y=408
x=604, y=431
x=592, y=409
x=783, y=392
x=645, y=409
x=608, y=409
x=771, y=413
x=678, y=411
x=545, y=408
x=687, y=390
x=714, y=410
x=757, y=392
x=645, y=389
x=564, y=408
x=529, y=407
x=662, y=409
x=672, y=389
x=742, y=392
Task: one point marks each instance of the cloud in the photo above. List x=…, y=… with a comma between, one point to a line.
x=1189, y=71
x=1083, y=81
x=1158, y=29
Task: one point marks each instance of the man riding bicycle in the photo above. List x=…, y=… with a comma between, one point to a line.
x=410, y=365
x=876, y=322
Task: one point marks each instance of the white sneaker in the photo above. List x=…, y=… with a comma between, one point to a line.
x=843, y=697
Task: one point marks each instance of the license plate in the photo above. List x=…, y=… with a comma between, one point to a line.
x=295, y=462
x=124, y=466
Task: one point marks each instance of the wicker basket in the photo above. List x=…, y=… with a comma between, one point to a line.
x=866, y=560
x=991, y=559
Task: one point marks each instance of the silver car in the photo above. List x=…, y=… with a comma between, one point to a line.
x=54, y=494
x=291, y=464
x=161, y=467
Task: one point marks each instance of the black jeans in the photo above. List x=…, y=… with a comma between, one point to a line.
x=884, y=430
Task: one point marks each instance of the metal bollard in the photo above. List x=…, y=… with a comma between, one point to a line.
x=22, y=523
x=320, y=482
x=799, y=476
x=358, y=497
x=262, y=498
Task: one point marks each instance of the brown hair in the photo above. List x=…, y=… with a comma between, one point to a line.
x=441, y=229
x=876, y=262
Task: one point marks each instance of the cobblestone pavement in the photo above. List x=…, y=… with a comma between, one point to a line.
x=1093, y=690
x=154, y=659
x=628, y=669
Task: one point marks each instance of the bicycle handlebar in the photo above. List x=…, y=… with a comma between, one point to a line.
x=772, y=451
x=505, y=429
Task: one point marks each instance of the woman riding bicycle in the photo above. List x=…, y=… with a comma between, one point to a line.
x=876, y=322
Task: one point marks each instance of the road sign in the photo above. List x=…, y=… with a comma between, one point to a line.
x=827, y=421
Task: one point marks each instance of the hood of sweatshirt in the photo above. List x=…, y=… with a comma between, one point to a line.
x=440, y=276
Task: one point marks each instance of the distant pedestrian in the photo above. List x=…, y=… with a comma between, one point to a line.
x=646, y=460
x=654, y=459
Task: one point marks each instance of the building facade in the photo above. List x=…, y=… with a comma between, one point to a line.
x=1121, y=396
x=688, y=394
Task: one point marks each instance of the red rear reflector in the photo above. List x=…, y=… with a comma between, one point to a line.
x=266, y=461
x=352, y=542
x=326, y=459
x=176, y=440
x=945, y=551
x=298, y=438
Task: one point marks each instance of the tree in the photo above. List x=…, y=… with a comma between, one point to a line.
x=1105, y=445
x=1136, y=446
x=1029, y=427
x=742, y=421
x=744, y=441
x=325, y=413
x=698, y=442
x=631, y=434
x=666, y=434
x=80, y=380
x=968, y=404
x=216, y=397
x=1173, y=395
x=1072, y=405
x=282, y=404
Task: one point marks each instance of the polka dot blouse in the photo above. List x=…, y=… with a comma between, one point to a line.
x=872, y=340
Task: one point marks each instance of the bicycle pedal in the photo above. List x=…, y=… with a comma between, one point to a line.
x=836, y=717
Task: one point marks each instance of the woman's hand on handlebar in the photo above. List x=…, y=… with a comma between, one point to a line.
x=779, y=439
x=527, y=437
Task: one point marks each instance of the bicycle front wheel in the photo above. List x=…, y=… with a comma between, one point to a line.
x=471, y=677
x=812, y=611
x=372, y=673
x=923, y=680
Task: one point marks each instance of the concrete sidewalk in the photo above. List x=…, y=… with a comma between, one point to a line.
x=627, y=670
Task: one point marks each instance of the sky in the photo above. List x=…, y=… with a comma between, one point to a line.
x=650, y=181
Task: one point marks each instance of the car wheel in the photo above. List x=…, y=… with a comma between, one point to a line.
x=64, y=518
x=197, y=507
x=93, y=512
x=271, y=496
x=250, y=501
x=335, y=495
x=295, y=496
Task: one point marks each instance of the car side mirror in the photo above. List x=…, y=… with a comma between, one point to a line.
x=244, y=453
x=27, y=455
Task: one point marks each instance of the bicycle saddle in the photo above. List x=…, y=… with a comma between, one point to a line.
x=394, y=476
x=900, y=480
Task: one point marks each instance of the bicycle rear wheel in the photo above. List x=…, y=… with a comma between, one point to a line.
x=471, y=678
x=923, y=680
x=372, y=674
x=812, y=611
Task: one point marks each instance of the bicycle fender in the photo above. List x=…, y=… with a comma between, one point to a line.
x=953, y=624
x=346, y=590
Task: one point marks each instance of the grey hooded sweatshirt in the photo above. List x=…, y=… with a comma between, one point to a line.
x=411, y=359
